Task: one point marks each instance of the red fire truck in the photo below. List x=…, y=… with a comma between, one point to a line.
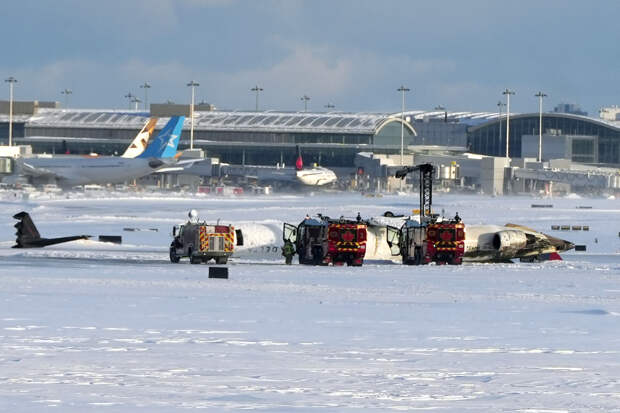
x=427, y=240
x=324, y=241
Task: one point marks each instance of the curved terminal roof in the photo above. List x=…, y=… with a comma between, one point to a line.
x=89, y=118
x=267, y=121
x=601, y=122
x=330, y=122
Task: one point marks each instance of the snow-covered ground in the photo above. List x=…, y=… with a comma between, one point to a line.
x=88, y=326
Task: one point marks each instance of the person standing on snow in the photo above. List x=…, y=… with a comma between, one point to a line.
x=288, y=251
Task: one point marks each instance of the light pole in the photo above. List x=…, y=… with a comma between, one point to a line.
x=11, y=80
x=445, y=112
x=402, y=89
x=135, y=101
x=499, y=108
x=257, y=90
x=540, y=95
x=193, y=84
x=129, y=96
x=330, y=106
x=66, y=92
x=305, y=99
x=146, y=86
x=508, y=92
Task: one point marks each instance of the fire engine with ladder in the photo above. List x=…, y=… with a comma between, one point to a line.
x=428, y=239
x=324, y=241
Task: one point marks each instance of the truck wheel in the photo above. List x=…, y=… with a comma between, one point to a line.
x=193, y=259
x=174, y=258
x=221, y=260
x=454, y=261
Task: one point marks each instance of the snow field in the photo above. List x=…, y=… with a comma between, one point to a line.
x=97, y=327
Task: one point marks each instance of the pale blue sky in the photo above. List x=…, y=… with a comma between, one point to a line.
x=353, y=54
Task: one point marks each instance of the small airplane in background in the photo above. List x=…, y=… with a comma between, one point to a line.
x=315, y=176
x=69, y=171
x=309, y=177
x=28, y=236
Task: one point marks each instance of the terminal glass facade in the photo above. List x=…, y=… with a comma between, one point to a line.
x=487, y=139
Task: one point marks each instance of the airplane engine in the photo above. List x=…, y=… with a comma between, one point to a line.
x=507, y=241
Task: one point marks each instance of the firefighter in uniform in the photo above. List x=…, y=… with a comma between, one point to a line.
x=288, y=250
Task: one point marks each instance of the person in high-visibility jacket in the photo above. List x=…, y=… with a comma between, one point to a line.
x=288, y=251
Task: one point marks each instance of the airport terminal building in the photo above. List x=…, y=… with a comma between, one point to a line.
x=330, y=139
x=575, y=137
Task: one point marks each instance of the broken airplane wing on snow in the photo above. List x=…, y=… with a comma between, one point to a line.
x=28, y=236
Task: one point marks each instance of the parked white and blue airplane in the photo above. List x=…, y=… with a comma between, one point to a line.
x=69, y=171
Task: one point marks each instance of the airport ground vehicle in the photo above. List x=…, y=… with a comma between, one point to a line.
x=202, y=242
x=324, y=241
x=429, y=239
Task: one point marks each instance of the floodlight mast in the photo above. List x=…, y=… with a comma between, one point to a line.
x=305, y=98
x=66, y=92
x=146, y=86
x=499, y=108
x=11, y=81
x=508, y=92
x=135, y=101
x=129, y=96
x=402, y=89
x=193, y=84
x=257, y=89
x=540, y=95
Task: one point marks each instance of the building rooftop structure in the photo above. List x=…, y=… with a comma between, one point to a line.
x=341, y=122
x=330, y=138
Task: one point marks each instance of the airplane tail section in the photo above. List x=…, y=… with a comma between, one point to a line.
x=140, y=142
x=166, y=142
x=26, y=230
x=299, y=163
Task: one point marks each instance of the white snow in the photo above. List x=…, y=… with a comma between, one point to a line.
x=89, y=326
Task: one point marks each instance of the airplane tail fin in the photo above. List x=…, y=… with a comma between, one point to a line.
x=299, y=163
x=166, y=142
x=138, y=145
x=26, y=230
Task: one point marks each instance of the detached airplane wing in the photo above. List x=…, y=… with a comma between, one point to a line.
x=29, y=237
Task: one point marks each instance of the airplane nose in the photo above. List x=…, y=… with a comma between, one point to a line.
x=156, y=163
